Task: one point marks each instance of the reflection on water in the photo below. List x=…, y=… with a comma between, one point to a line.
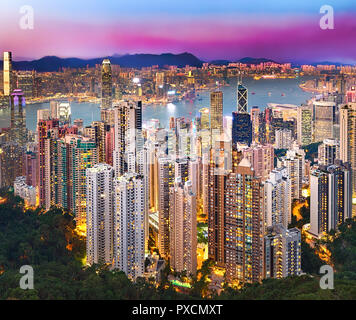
x=261, y=92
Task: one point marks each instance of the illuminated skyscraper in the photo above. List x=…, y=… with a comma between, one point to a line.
x=255, y=112
x=330, y=197
x=100, y=208
x=129, y=225
x=323, y=120
x=241, y=128
x=183, y=227
x=216, y=112
x=242, y=98
x=348, y=141
x=165, y=182
x=106, y=84
x=18, y=117
x=304, y=125
x=244, y=225
x=8, y=80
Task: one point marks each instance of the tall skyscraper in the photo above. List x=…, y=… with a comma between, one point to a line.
x=330, y=197
x=183, y=227
x=100, y=208
x=242, y=98
x=277, y=198
x=304, y=125
x=18, y=117
x=216, y=112
x=106, y=84
x=244, y=229
x=165, y=182
x=255, y=112
x=348, y=141
x=241, y=128
x=8, y=77
x=129, y=225
x=323, y=120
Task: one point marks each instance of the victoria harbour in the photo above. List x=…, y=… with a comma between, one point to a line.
x=261, y=92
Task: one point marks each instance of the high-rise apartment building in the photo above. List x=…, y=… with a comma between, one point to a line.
x=244, y=225
x=304, y=125
x=328, y=152
x=330, y=197
x=183, y=227
x=129, y=225
x=100, y=209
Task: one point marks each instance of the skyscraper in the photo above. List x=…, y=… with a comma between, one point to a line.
x=244, y=229
x=330, y=197
x=241, y=128
x=242, y=98
x=328, y=152
x=129, y=225
x=304, y=125
x=106, y=84
x=100, y=208
x=323, y=120
x=183, y=227
x=216, y=112
x=8, y=80
x=348, y=141
x=18, y=117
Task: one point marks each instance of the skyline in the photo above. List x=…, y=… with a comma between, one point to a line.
x=226, y=30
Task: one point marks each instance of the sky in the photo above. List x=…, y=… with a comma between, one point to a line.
x=283, y=30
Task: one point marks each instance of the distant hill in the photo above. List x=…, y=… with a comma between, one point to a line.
x=52, y=63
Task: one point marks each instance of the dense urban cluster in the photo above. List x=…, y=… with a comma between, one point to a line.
x=207, y=187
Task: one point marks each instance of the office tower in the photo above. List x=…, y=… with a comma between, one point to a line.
x=241, y=128
x=282, y=252
x=100, y=208
x=255, y=122
x=43, y=114
x=294, y=162
x=216, y=112
x=348, y=141
x=261, y=158
x=25, y=81
x=242, y=98
x=129, y=225
x=277, y=198
x=183, y=227
x=244, y=225
x=265, y=132
x=165, y=181
x=328, y=152
x=18, y=117
x=106, y=84
x=128, y=152
x=204, y=119
x=304, y=125
x=323, y=120
x=43, y=127
x=8, y=76
x=330, y=197
x=283, y=139
x=160, y=84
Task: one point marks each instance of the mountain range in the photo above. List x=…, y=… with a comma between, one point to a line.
x=53, y=63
